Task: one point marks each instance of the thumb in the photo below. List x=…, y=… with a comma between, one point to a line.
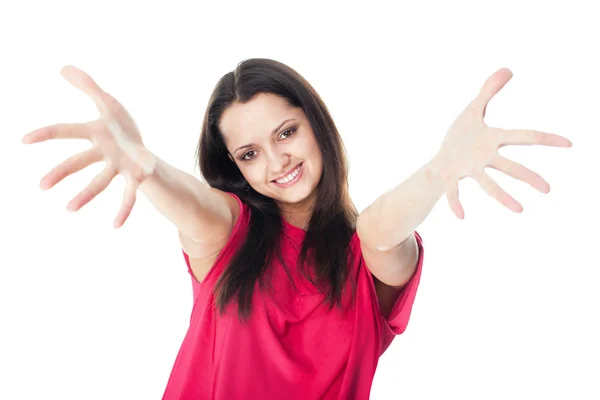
x=86, y=84
x=490, y=88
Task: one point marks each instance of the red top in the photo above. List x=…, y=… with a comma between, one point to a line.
x=292, y=347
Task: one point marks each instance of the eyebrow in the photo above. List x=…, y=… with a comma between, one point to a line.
x=272, y=133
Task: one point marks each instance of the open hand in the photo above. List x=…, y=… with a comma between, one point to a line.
x=470, y=146
x=115, y=138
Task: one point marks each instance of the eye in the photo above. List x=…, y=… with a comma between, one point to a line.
x=244, y=156
x=291, y=132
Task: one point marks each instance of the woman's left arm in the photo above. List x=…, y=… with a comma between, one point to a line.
x=385, y=228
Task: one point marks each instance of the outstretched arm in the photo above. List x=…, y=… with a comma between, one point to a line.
x=199, y=212
x=385, y=227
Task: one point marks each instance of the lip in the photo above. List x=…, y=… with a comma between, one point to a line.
x=289, y=171
x=292, y=182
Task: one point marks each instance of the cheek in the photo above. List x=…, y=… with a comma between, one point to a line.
x=310, y=146
x=316, y=154
x=253, y=173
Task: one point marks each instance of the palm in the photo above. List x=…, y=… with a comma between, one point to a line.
x=115, y=139
x=470, y=146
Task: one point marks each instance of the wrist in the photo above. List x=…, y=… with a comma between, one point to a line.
x=146, y=160
x=435, y=173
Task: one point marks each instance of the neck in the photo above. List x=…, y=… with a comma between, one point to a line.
x=298, y=214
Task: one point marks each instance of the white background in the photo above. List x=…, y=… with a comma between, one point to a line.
x=508, y=303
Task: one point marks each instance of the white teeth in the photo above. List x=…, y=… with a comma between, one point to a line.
x=289, y=177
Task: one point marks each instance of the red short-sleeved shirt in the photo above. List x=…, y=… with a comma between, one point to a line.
x=293, y=347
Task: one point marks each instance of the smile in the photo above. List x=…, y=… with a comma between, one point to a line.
x=290, y=179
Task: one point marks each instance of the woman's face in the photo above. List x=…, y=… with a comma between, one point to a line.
x=269, y=141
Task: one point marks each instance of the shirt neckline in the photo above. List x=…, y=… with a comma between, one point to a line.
x=293, y=229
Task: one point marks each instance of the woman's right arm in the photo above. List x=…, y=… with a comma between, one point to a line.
x=203, y=215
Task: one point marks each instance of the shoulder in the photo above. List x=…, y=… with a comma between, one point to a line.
x=202, y=258
x=240, y=211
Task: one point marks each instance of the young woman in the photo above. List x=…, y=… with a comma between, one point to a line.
x=296, y=295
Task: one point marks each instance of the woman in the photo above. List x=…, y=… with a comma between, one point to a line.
x=296, y=296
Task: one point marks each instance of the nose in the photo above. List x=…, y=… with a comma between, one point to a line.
x=279, y=163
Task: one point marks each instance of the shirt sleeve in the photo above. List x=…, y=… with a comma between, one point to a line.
x=229, y=247
x=398, y=319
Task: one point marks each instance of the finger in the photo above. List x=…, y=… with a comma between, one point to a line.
x=495, y=191
x=490, y=88
x=521, y=173
x=70, y=166
x=96, y=186
x=87, y=85
x=58, y=131
x=530, y=137
x=128, y=202
x=454, y=202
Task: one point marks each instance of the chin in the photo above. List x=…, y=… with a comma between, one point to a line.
x=292, y=195
x=296, y=198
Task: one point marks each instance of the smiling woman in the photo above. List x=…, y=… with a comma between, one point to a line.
x=263, y=142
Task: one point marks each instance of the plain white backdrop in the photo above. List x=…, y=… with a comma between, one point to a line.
x=508, y=303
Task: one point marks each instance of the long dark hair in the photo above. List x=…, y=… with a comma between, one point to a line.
x=333, y=220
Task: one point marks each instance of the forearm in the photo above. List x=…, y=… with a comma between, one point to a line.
x=184, y=200
x=390, y=219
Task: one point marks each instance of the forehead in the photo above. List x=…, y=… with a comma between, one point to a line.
x=256, y=118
